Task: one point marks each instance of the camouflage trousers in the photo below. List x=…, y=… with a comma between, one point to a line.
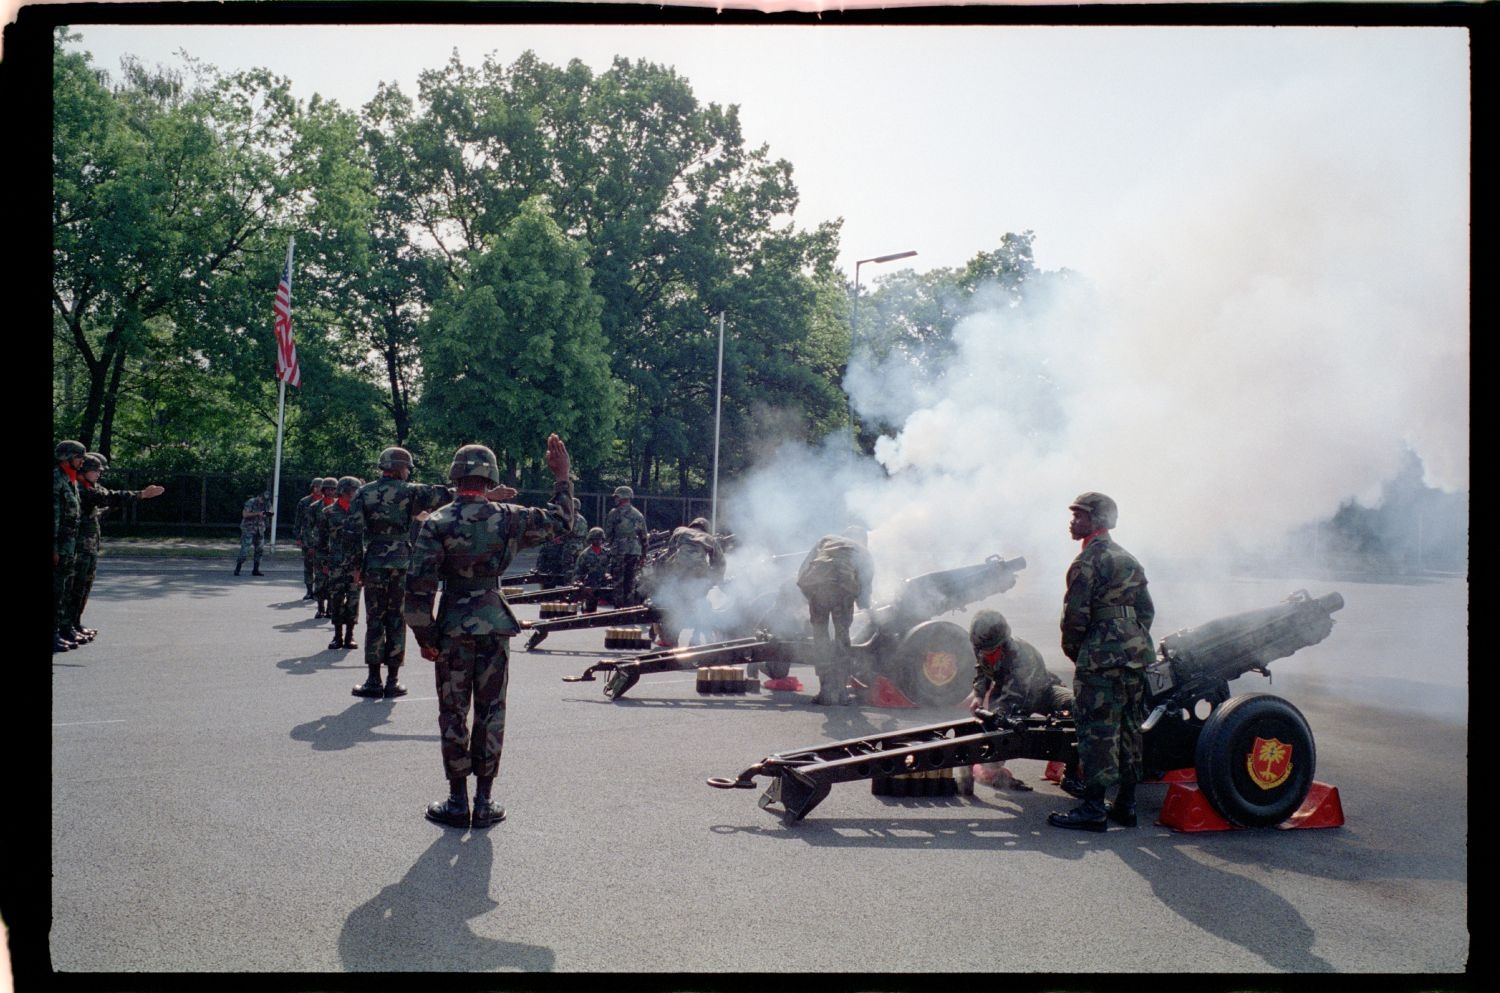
x=85, y=566
x=472, y=669
x=831, y=657
x=1108, y=707
x=343, y=598
x=62, y=584
x=249, y=542
x=309, y=568
x=320, y=576
x=624, y=567
x=385, y=629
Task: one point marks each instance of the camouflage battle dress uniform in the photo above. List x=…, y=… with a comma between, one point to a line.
x=299, y=530
x=341, y=546
x=625, y=530
x=557, y=557
x=252, y=531
x=93, y=501
x=591, y=569
x=311, y=521
x=66, y=515
x=691, y=565
x=1106, y=631
x=384, y=510
x=836, y=575
x=1016, y=681
x=465, y=547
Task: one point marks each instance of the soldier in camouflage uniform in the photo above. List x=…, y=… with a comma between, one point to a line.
x=384, y=510
x=625, y=530
x=691, y=565
x=557, y=557
x=341, y=546
x=299, y=530
x=253, y=526
x=66, y=515
x=591, y=569
x=1106, y=631
x=836, y=575
x=93, y=501
x=1011, y=681
x=466, y=546
x=311, y=529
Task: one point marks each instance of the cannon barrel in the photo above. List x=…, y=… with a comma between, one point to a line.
x=933, y=593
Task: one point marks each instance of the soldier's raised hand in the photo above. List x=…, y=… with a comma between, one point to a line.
x=558, y=459
x=152, y=491
x=501, y=493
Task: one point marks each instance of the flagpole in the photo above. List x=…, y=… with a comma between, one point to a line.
x=280, y=411
x=713, y=525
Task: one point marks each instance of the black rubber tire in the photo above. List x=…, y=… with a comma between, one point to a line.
x=1225, y=749
x=776, y=668
x=932, y=664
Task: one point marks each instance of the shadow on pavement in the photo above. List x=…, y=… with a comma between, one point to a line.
x=420, y=923
x=355, y=726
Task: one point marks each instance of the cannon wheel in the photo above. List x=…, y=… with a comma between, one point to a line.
x=930, y=665
x=1255, y=759
x=776, y=668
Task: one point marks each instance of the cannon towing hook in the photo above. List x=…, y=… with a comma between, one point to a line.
x=745, y=781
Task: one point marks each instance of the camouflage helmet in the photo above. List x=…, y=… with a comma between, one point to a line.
x=475, y=460
x=596, y=534
x=856, y=533
x=329, y=482
x=348, y=484
x=988, y=631
x=1102, y=511
x=69, y=449
x=393, y=458
x=700, y=523
x=317, y=482
x=92, y=461
x=624, y=493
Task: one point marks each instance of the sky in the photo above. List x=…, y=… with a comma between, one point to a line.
x=1271, y=225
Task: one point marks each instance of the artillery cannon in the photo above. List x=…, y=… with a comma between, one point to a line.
x=925, y=658
x=1253, y=754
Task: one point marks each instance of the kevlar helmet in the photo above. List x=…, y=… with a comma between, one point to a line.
x=329, y=482
x=624, y=493
x=92, y=461
x=347, y=484
x=393, y=458
x=475, y=460
x=701, y=523
x=69, y=449
x=1102, y=511
x=317, y=482
x=988, y=631
x=596, y=534
x=857, y=534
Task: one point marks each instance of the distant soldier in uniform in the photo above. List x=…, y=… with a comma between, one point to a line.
x=625, y=530
x=1106, y=631
x=691, y=565
x=66, y=515
x=93, y=501
x=576, y=539
x=341, y=545
x=299, y=531
x=465, y=546
x=312, y=529
x=1011, y=681
x=591, y=569
x=253, y=526
x=836, y=575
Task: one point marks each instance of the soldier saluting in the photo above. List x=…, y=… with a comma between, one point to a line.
x=1106, y=631
x=466, y=546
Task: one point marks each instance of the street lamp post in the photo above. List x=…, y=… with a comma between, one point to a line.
x=854, y=327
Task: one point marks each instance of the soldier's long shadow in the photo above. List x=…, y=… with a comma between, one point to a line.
x=355, y=726
x=419, y=923
x=328, y=658
x=304, y=624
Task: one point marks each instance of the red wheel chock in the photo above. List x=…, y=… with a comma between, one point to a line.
x=784, y=683
x=1186, y=808
x=1055, y=772
x=884, y=694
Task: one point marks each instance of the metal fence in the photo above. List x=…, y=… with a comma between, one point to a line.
x=210, y=503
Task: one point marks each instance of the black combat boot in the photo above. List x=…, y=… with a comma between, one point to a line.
x=1090, y=815
x=237, y=564
x=349, y=636
x=322, y=608
x=486, y=811
x=392, y=688
x=60, y=643
x=338, y=638
x=371, y=686
x=454, y=811
x=255, y=569
x=1122, y=811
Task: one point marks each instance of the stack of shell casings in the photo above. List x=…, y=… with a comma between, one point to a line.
x=726, y=679
x=932, y=782
x=628, y=638
x=558, y=609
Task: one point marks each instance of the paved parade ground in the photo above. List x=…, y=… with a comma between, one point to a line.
x=221, y=803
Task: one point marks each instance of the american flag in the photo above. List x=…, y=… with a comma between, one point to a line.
x=286, y=349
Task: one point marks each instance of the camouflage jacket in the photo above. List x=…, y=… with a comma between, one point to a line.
x=340, y=540
x=384, y=509
x=300, y=518
x=837, y=565
x=1020, y=676
x=93, y=500
x=256, y=525
x=66, y=511
x=577, y=539
x=469, y=542
x=591, y=568
x=625, y=531
x=1107, y=610
x=693, y=554
x=312, y=514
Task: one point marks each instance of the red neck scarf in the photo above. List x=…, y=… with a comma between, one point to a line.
x=344, y=502
x=1088, y=538
x=67, y=467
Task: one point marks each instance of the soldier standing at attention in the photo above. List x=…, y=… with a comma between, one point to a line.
x=1010, y=680
x=252, y=530
x=837, y=574
x=93, y=501
x=466, y=546
x=591, y=569
x=1106, y=631
x=341, y=544
x=312, y=535
x=299, y=531
x=66, y=514
x=625, y=529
